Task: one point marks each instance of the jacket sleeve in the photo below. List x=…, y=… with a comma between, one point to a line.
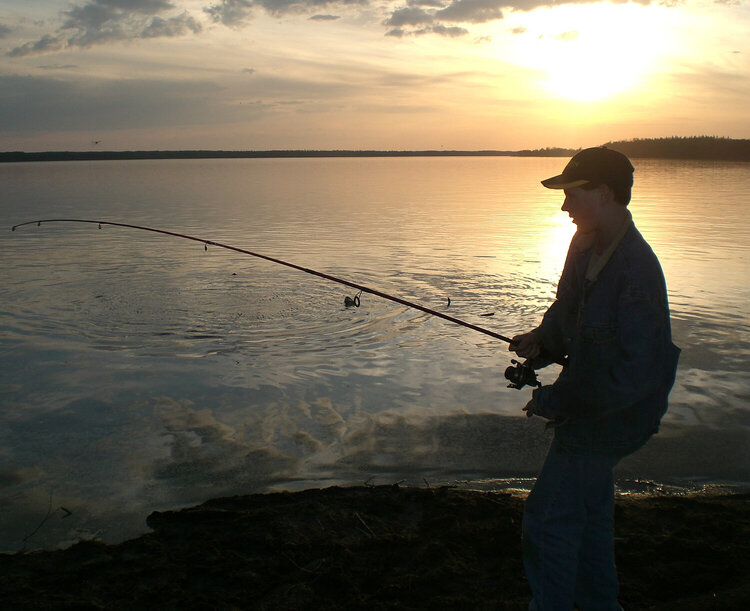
x=551, y=337
x=639, y=367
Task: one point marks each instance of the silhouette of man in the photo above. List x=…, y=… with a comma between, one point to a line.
x=610, y=324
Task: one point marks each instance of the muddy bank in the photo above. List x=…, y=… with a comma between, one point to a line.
x=382, y=547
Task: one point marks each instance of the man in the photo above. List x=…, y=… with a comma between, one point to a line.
x=610, y=324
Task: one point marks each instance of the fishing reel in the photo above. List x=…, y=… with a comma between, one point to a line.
x=521, y=374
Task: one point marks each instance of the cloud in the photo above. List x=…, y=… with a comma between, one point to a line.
x=432, y=3
x=174, y=26
x=472, y=11
x=46, y=44
x=248, y=70
x=409, y=16
x=231, y=13
x=236, y=13
x=102, y=21
x=58, y=67
x=439, y=29
x=451, y=31
x=37, y=104
x=282, y=7
x=715, y=86
x=432, y=15
x=4, y=30
x=436, y=14
x=567, y=36
x=433, y=21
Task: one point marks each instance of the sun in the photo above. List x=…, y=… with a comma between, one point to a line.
x=590, y=70
x=587, y=66
x=588, y=53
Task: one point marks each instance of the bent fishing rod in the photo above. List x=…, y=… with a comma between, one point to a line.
x=520, y=375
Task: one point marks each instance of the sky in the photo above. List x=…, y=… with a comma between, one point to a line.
x=369, y=74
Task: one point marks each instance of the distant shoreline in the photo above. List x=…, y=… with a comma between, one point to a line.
x=17, y=156
x=700, y=148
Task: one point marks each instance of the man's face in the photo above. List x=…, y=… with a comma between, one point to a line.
x=584, y=207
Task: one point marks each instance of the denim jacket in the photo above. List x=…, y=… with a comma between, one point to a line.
x=616, y=335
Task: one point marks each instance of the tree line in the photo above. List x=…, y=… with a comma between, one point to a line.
x=709, y=148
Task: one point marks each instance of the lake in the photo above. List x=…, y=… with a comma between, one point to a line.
x=142, y=372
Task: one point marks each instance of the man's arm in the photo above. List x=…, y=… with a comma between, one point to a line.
x=637, y=370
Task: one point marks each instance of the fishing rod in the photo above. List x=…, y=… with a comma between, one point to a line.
x=520, y=375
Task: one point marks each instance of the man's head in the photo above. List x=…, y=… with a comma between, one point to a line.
x=593, y=167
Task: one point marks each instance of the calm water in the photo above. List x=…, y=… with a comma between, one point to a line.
x=140, y=372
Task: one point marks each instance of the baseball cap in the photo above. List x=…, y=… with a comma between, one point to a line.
x=597, y=165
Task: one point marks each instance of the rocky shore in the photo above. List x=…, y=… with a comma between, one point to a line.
x=382, y=547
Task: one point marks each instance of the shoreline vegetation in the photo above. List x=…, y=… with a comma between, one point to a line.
x=383, y=547
x=701, y=148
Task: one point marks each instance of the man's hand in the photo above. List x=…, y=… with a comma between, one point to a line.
x=527, y=345
x=552, y=421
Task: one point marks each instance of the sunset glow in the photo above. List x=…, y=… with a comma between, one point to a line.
x=593, y=62
x=356, y=74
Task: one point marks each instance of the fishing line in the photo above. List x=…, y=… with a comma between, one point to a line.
x=348, y=301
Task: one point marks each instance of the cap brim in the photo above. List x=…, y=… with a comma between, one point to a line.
x=561, y=182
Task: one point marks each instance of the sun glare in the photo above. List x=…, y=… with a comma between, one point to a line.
x=556, y=240
x=589, y=70
x=588, y=53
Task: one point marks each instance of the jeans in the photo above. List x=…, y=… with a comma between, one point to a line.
x=568, y=533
